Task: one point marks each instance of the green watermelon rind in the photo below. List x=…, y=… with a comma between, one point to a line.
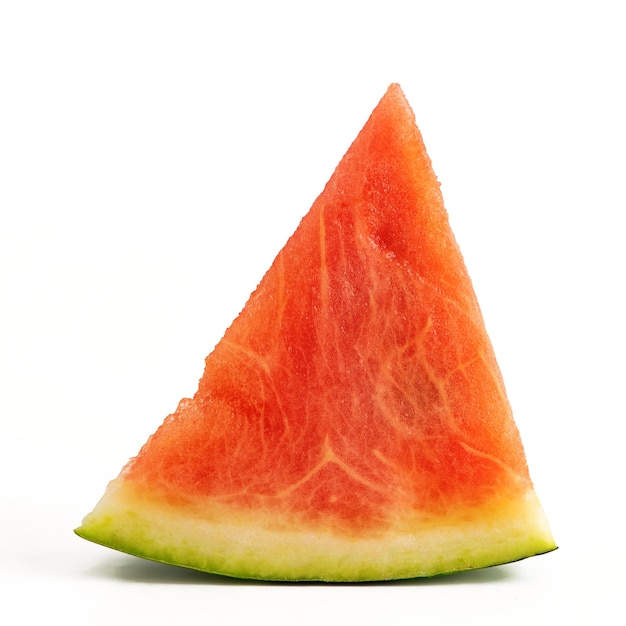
x=252, y=549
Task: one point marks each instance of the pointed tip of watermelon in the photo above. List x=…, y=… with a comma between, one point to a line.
x=396, y=92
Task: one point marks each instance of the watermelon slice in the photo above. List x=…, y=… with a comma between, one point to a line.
x=352, y=424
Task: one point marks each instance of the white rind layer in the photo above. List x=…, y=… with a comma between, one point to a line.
x=252, y=545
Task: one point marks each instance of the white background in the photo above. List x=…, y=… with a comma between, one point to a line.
x=155, y=156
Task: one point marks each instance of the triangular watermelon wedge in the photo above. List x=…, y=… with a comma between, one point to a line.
x=352, y=424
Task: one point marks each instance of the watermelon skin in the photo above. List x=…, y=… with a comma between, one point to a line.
x=352, y=424
x=257, y=547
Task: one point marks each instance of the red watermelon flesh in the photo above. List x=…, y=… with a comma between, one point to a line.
x=352, y=424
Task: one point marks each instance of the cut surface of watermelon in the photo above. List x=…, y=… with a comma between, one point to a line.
x=352, y=424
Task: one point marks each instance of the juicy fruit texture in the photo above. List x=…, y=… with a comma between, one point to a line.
x=352, y=424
